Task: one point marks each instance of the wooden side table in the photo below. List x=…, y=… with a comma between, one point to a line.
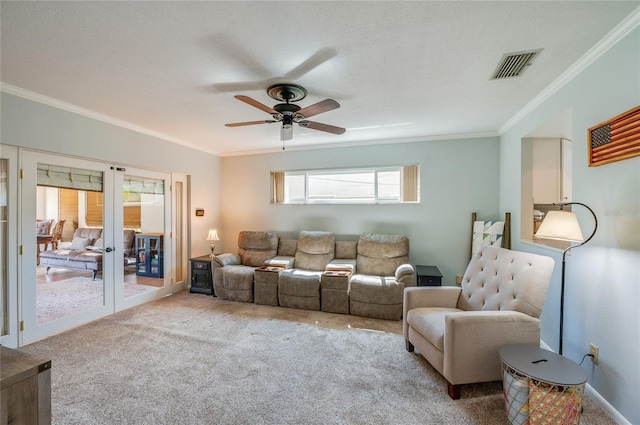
x=428, y=276
x=202, y=275
x=26, y=388
x=541, y=386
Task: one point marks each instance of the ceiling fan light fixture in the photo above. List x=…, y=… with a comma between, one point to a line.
x=289, y=113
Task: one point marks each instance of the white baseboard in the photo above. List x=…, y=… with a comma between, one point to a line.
x=598, y=399
x=604, y=405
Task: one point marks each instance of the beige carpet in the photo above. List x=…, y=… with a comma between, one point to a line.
x=194, y=359
x=73, y=295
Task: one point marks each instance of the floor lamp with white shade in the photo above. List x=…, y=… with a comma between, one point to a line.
x=563, y=225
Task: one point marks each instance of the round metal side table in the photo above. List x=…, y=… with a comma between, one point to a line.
x=540, y=387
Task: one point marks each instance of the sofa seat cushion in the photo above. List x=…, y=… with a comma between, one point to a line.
x=376, y=289
x=299, y=289
x=301, y=283
x=72, y=259
x=379, y=297
x=234, y=283
x=430, y=323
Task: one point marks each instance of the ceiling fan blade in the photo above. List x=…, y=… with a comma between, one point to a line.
x=322, y=127
x=318, y=108
x=286, y=132
x=315, y=60
x=239, y=124
x=256, y=104
x=232, y=50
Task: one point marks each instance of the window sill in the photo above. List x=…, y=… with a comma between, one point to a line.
x=547, y=243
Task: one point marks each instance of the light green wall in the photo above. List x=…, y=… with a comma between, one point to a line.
x=457, y=177
x=602, y=297
x=33, y=125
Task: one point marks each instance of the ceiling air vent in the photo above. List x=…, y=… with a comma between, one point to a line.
x=514, y=64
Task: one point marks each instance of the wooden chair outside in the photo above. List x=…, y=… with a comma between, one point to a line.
x=57, y=234
x=43, y=236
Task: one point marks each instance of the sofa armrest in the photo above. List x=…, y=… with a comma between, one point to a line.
x=342, y=264
x=405, y=274
x=473, y=338
x=281, y=261
x=427, y=296
x=431, y=296
x=227, y=259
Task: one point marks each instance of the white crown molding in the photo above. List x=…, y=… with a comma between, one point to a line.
x=614, y=36
x=36, y=97
x=340, y=145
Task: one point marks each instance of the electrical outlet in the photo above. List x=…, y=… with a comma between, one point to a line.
x=593, y=350
x=459, y=279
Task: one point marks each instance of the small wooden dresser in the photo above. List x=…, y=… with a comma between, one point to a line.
x=26, y=388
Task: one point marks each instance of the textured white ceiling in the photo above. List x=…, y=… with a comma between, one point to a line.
x=400, y=70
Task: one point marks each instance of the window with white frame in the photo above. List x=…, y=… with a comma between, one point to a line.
x=389, y=184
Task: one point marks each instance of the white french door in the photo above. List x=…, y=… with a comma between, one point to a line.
x=143, y=204
x=124, y=205
x=57, y=298
x=8, y=240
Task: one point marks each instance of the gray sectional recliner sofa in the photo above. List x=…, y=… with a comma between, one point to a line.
x=366, y=277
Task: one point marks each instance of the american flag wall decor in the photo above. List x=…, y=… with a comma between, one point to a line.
x=615, y=139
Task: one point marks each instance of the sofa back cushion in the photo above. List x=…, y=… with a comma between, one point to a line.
x=255, y=247
x=502, y=279
x=92, y=233
x=346, y=249
x=381, y=255
x=287, y=247
x=315, y=250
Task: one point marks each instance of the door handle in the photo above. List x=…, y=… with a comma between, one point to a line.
x=109, y=249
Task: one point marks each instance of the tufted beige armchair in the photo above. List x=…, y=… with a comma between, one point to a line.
x=460, y=329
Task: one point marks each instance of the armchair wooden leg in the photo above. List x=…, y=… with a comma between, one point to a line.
x=408, y=346
x=453, y=390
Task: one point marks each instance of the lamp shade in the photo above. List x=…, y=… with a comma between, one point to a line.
x=213, y=235
x=560, y=225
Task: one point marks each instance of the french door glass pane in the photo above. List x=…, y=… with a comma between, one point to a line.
x=143, y=212
x=70, y=244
